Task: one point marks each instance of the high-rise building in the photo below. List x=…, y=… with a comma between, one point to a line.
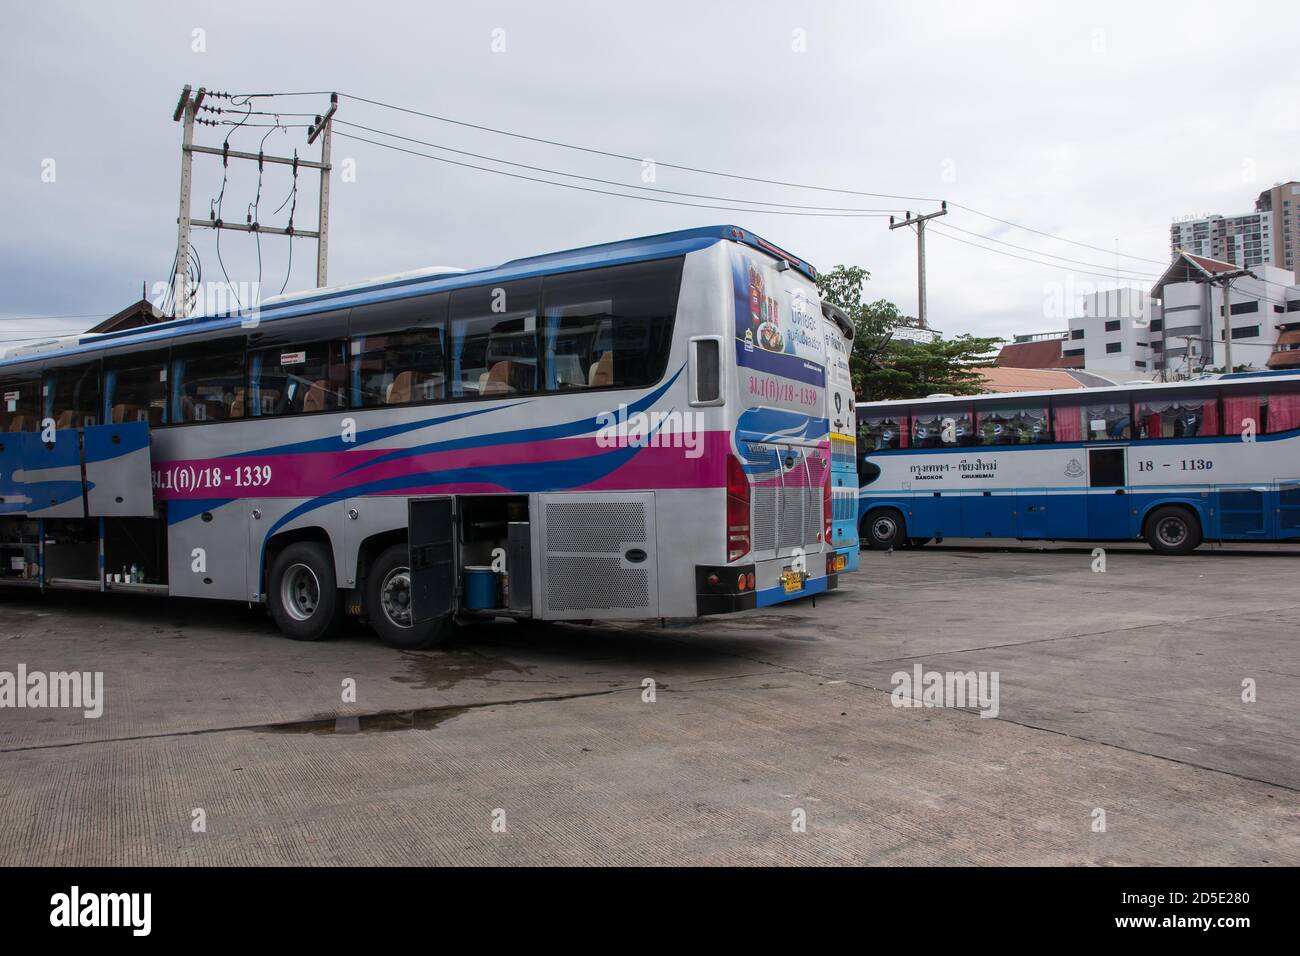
x=1270, y=235
x=1283, y=203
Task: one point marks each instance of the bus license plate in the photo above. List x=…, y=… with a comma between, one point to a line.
x=838, y=562
x=792, y=581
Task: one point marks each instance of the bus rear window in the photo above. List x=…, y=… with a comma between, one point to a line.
x=609, y=328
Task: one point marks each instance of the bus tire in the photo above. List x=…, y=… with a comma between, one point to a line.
x=884, y=529
x=1172, y=530
x=303, y=595
x=388, y=605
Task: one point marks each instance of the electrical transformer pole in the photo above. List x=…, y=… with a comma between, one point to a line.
x=919, y=221
x=186, y=108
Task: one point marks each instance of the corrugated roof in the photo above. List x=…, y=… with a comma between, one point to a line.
x=1003, y=379
x=1044, y=354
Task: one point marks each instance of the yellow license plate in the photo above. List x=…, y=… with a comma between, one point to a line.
x=792, y=581
x=838, y=562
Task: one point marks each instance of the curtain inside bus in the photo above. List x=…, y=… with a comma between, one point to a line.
x=1283, y=412
x=1241, y=412
x=1184, y=416
x=1068, y=422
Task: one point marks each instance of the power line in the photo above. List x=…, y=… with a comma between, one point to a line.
x=26, y=318
x=1039, y=232
x=605, y=192
x=612, y=154
x=607, y=182
x=624, y=156
x=712, y=172
x=1037, y=262
x=1078, y=262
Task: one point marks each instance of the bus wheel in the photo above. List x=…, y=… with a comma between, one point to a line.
x=1173, y=530
x=388, y=605
x=883, y=529
x=303, y=597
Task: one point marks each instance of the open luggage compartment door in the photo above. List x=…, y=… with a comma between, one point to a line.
x=118, y=478
x=51, y=476
x=431, y=536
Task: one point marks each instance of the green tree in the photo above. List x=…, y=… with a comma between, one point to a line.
x=884, y=365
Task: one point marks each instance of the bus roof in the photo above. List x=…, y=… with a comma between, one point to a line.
x=1238, y=378
x=424, y=281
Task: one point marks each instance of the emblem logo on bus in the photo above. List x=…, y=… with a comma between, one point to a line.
x=1074, y=469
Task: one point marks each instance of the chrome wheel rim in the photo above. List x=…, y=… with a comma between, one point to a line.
x=300, y=592
x=884, y=529
x=395, y=596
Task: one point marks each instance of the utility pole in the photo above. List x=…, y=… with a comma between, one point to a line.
x=919, y=221
x=186, y=110
x=1224, y=278
x=323, y=128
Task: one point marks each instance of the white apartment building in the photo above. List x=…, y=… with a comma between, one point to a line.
x=1111, y=332
x=1246, y=240
x=1270, y=235
x=1186, y=327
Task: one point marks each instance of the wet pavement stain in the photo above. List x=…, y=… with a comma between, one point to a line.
x=423, y=719
x=439, y=670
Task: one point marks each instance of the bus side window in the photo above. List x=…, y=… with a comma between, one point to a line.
x=1067, y=423
x=208, y=383
x=493, y=340
x=609, y=328
x=72, y=396
x=1177, y=415
x=942, y=427
x=877, y=432
x=1282, y=412
x=20, y=407
x=1245, y=412
x=1099, y=421
x=1012, y=426
x=297, y=379
x=135, y=389
x=398, y=352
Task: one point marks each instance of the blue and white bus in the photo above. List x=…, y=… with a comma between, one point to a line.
x=1172, y=464
x=630, y=430
x=842, y=421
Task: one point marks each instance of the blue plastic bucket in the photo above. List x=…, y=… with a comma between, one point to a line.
x=482, y=589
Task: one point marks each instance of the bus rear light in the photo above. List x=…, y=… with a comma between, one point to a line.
x=738, y=539
x=751, y=580
x=740, y=583
x=828, y=511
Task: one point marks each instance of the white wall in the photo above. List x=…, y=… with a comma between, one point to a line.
x=1128, y=311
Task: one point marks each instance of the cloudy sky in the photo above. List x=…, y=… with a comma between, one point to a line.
x=1098, y=123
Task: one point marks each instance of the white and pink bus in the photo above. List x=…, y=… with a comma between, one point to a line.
x=630, y=430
